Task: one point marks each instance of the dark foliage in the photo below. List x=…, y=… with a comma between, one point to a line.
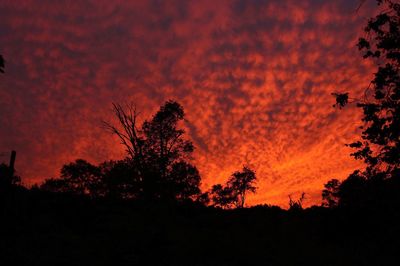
x=119, y=180
x=331, y=193
x=222, y=196
x=183, y=181
x=233, y=194
x=379, y=145
x=79, y=177
x=342, y=99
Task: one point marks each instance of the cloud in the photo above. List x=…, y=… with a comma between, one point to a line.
x=254, y=77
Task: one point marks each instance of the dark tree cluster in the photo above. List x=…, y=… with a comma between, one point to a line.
x=233, y=194
x=112, y=179
x=157, y=166
x=379, y=145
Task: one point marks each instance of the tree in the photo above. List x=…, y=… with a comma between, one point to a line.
x=353, y=191
x=183, y=181
x=56, y=185
x=79, y=177
x=119, y=180
x=379, y=145
x=203, y=198
x=164, y=145
x=331, y=193
x=82, y=177
x=296, y=205
x=234, y=192
x=128, y=132
x=242, y=182
x=222, y=196
x=158, y=151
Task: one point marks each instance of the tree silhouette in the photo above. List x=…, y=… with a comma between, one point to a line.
x=222, y=196
x=379, y=145
x=128, y=132
x=203, y=198
x=330, y=193
x=242, y=182
x=164, y=144
x=234, y=193
x=56, y=185
x=353, y=191
x=119, y=180
x=183, y=181
x=79, y=177
x=158, y=151
x=296, y=205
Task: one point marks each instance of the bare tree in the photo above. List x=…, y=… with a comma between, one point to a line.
x=127, y=131
x=296, y=205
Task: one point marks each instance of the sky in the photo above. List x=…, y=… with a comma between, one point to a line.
x=255, y=79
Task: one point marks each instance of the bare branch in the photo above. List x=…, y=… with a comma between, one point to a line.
x=127, y=131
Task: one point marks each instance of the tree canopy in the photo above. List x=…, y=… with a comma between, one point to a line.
x=379, y=144
x=235, y=191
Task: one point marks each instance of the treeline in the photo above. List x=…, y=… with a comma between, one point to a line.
x=157, y=166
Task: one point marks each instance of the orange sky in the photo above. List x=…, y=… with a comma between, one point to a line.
x=254, y=77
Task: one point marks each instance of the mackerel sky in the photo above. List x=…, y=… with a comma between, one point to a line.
x=254, y=77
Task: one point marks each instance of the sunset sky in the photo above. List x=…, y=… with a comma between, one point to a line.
x=254, y=77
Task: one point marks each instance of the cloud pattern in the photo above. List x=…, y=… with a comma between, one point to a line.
x=254, y=77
